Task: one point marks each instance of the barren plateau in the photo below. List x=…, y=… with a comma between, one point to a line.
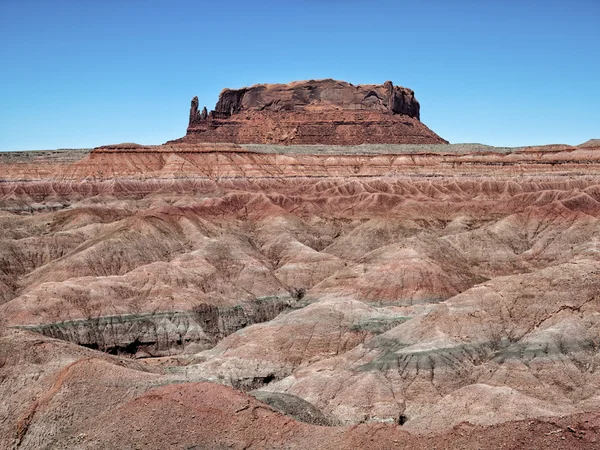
x=231, y=295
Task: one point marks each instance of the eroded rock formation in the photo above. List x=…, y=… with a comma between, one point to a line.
x=58, y=395
x=389, y=291
x=312, y=112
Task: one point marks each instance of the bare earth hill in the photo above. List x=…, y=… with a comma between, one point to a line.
x=232, y=295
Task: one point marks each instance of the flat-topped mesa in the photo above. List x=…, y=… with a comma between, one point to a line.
x=312, y=112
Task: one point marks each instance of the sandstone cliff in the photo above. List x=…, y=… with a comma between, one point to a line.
x=312, y=112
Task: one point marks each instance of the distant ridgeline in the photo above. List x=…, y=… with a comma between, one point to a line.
x=312, y=112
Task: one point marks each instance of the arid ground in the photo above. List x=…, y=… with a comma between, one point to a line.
x=254, y=296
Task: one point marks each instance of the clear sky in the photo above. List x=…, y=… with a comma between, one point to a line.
x=77, y=73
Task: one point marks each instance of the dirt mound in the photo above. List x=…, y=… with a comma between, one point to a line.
x=294, y=407
x=592, y=143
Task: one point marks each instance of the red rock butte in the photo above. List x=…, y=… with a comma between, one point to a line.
x=312, y=112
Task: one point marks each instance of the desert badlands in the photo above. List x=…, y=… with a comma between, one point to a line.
x=310, y=266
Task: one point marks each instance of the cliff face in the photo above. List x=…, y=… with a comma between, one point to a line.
x=312, y=112
x=313, y=96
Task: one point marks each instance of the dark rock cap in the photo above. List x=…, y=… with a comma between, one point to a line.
x=312, y=95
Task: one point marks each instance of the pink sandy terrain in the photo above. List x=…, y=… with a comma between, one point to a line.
x=210, y=295
x=455, y=293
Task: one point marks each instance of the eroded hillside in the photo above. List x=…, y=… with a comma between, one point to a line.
x=451, y=290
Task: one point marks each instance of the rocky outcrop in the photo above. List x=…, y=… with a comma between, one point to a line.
x=311, y=96
x=163, y=333
x=312, y=112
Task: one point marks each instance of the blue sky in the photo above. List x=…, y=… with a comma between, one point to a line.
x=79, y=73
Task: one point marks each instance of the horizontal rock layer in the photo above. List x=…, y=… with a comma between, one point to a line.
x=308, y=127
x=214, y=161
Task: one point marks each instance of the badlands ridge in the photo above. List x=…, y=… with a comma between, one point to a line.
x=259, y=295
